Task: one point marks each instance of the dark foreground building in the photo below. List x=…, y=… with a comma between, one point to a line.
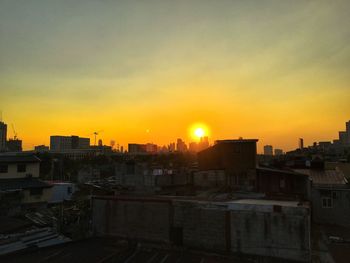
x=228, y=163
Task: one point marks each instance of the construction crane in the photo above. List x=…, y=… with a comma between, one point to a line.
x=95, y=135
x=14, y=132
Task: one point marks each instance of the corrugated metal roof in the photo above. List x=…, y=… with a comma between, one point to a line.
x=267, y=169
x=324, y=177
x=39, y=238
x=22, y=183
x=345, y=168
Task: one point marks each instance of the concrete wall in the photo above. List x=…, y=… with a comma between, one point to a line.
x=338, y=214
x=262, y=229
x=133, y=218
x=270, y=234
x=61, y=192
x=142, y=178
x=210, y=178
x=203, y=228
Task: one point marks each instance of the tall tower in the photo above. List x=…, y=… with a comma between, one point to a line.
x=301, y=143
x=268, y=150
x=3, y=136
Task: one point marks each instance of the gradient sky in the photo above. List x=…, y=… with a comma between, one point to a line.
x=273, y=70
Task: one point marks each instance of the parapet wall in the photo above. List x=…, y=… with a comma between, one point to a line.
x=133, y=219
x=256, y=229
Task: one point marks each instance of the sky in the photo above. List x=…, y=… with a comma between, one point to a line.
x=147, y=70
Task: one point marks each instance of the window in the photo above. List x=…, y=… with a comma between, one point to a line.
x=21, y=168
x=36, y=191
x=3, y=168
x=69, y=190
x=327, y=202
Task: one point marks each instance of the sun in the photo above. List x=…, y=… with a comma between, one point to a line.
x=199, y=132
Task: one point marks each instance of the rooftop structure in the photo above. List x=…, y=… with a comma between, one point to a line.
x=322, y=177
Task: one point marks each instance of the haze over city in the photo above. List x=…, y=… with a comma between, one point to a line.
x=147, y=71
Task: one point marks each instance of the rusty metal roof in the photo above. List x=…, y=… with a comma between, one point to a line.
x=324, y=177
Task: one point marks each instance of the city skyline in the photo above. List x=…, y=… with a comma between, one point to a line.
x=198, y=132
x=147, y=72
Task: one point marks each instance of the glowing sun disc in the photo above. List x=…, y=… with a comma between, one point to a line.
x=199, y=132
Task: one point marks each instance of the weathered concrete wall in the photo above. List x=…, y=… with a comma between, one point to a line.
x=270, y=234
x=201, y=227
x=210, y=178
x=133, y=219
x=338, y=213
x=256, y=227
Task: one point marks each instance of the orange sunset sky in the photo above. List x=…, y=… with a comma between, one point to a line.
x=146, y=71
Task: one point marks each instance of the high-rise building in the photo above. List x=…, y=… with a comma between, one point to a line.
x=278, y=152
x=14, y=145
x=348, y=131
x=181, y=145
x=193, y=147
x=171, y=147
x=3, y=136
x=135, y=148
x=301, y=143
x=268, y=150
x=151, y=148
x=343, y=137
x=203, y=143
x=62, y=143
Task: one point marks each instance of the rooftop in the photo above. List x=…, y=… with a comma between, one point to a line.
x=18, y=158
x=21, y=183
x=324, y=177
x=236, y=140
x=291, y=172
